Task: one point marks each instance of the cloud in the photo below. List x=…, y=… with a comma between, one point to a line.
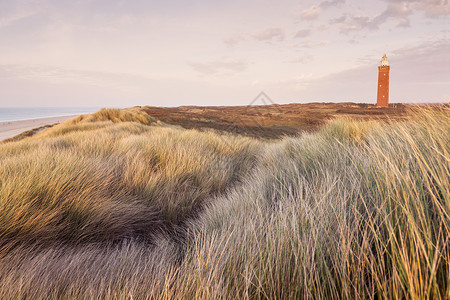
x=314, y=11
x=267, y=35
x=307, y=44
x=403, y=22
x=339, y=20
x=270, y=34
x=302, y=60
x=323, y=27
x=60, y=75
x=357, y=23
x=432, y=8
x=41, y=85
x=303, y=33
x=310, y=13
x=433, y=53
x=220, y=67
x=233, y=40
x=17, y=15
x=255, y=82
x=397, y=11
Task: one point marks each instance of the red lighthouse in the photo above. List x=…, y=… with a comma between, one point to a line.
x=383, y=83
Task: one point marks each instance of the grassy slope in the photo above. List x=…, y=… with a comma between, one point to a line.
x=100, y=207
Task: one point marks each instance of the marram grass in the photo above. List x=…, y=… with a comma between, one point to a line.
x=117, y=206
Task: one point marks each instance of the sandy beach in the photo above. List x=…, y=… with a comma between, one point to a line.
x=13, y=128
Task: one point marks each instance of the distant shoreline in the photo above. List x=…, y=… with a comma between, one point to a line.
x=10, y=129
x=8, y=114
x=39, y=118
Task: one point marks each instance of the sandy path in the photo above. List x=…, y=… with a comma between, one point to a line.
x=13, y=128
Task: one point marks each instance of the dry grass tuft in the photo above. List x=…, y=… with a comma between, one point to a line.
x=115, y=115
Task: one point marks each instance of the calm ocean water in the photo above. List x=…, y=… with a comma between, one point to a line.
x=25, y=113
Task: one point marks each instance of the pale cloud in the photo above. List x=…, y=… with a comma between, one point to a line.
x=307, y=44
x=234, y=39
x=432, y=8
x=303, y=33
x=431, y=52
x=274, y=34
x=310, y=13
x=302, y=59
x=339, y=20
x=314, y=11
x=356, y=23
x=255, y=83
x=219, y=67
x=326, y=4
x=61, y=75
x=403, y=22
x=323, y=27
x=270, y=34
x=397, y=10
x=16, y=16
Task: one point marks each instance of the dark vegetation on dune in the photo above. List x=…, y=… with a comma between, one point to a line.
x=132, y=204
x=271, y=121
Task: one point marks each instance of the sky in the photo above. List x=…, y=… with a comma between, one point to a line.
x=117, y=53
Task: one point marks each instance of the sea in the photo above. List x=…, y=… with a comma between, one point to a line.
x=8, y=114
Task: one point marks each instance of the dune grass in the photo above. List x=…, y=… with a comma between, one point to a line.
x=121, y=207
x=106, y=181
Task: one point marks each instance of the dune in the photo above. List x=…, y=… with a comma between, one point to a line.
x=119, y=204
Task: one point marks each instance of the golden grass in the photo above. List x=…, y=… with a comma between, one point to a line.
x=115, y=115
x=108, y=209
x=107, y=182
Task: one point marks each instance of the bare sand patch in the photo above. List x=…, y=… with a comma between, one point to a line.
x=10, y=129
